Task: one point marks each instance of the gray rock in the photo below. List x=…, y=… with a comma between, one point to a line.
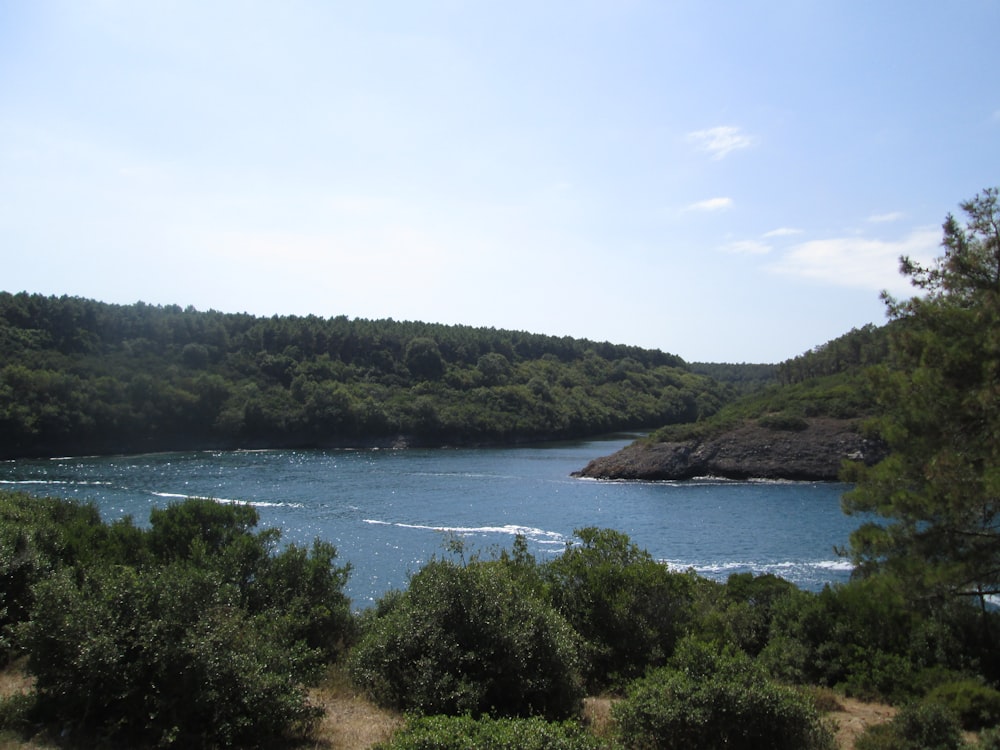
x=749, y=451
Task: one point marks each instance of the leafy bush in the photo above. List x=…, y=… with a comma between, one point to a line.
x=15, y=712
x=195, y=631
x=630, y=608
x=708, y=700
x=464, y=732
x=976, y=705
x=748, y=605
x=989, y=739
x=918, y=726
x=860, y=637
x=783, y=423
x=163, y=658
x=470, y=639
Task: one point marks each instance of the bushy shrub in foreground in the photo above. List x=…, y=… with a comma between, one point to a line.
x=196, y=632
x=717, y=701
x=464, y=732
x=976, y=705
x=470, y=639
x=628, y=607
x=163, y=658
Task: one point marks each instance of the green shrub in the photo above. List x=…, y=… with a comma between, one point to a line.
x=464, y=732
x=15, y=711
x=918, y=726
x=470, y=639
x=629, y=608
x=166, y=657
x=710, y=701
x=976, y=705
x=989, y=739
x=196, y=631
x=783, y=423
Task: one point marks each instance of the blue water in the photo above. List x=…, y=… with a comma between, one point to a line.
x=388, y=512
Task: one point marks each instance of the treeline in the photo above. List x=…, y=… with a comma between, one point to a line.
x=743, y=377
x=77, y=374
x=831, y=380
x=198, y=631
x=856, y=349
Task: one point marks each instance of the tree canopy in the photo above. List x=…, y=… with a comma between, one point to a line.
x=79, y=375
x=938, y=397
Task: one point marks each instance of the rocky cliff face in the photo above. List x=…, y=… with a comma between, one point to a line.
x=750, y=451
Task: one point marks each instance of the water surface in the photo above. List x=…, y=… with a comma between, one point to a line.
x=388, y=512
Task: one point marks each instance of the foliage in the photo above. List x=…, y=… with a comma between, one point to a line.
x=195, y=631
x=707, y=699
x=828, y=381
x=39, y=535
x=15, y=712
x=976, y=705
x=82, y=376
x=464, y=732
x=989, y=739
x=470, y=639
x=743, y=377
x=918, y=726
x=163, y=658
x=939, y=490
x=864, y=639
x=629, y=608
x=856, y=350
x=742, y=613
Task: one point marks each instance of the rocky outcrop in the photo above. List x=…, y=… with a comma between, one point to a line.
x=815, y=452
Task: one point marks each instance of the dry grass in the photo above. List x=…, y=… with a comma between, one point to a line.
x=852, y=718
x=354, y=723
x=597, y=716
x=14, y=680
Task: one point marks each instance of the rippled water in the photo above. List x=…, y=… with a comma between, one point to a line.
x=388, y=512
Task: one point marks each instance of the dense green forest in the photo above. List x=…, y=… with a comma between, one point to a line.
x=83, y=376
x=831, y=380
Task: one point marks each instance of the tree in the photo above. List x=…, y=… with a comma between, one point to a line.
x=939, y=414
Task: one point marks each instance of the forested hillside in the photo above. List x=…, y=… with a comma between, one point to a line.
x=78, y=375
x=827, y=381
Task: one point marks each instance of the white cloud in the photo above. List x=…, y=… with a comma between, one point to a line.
x=748, y=247
x=859, y=262
x=782, y=232
x=886, y=218
x=712, y=204
x=721, y=141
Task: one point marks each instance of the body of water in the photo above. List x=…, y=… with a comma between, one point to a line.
x=388, y=512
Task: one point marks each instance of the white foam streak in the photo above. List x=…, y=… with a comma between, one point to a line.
x=776, y=568
x=230, y=501
x=540, y=535
x=54, y=481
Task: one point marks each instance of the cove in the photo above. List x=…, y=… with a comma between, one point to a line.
x=388, y=512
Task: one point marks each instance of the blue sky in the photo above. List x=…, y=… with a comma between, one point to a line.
x=726, y=181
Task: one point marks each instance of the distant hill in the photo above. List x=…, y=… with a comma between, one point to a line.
x=81, y=376
x=801, y=427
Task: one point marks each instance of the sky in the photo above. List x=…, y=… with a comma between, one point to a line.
x=725, y=181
